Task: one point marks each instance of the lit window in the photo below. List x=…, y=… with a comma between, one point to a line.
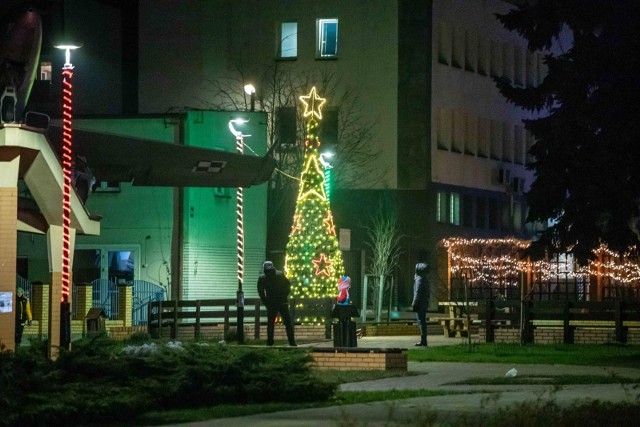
x=288, y=40
x=454, y=209
x=327, y=38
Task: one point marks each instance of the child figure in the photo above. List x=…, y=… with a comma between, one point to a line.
x=343, y=290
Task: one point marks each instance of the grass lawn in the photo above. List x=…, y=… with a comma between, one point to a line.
x=558, y=354
x=606, y=355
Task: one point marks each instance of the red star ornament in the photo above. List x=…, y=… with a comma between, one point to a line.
x=322, y=265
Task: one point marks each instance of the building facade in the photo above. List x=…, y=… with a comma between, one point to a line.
x=450, y=153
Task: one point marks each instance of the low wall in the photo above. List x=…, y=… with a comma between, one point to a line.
x=216, y=332
x=360, y=359
x=555, y=335
x=399, y=329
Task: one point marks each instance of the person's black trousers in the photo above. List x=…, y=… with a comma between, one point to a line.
x=272, y=313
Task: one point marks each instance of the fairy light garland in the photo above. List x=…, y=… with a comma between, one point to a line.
x=505, y=268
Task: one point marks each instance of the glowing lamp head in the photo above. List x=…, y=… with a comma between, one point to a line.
x=249, y=89
x=67, y=47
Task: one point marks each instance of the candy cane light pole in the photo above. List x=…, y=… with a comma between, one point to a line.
x=67, y=163
x=240, y=227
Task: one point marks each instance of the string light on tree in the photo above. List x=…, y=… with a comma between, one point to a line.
x=313, y=260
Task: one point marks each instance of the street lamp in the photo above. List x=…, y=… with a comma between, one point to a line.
x=67, y=162
x=250, y=90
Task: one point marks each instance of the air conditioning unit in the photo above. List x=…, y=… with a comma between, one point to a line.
x=504, y=176
x=517, y=184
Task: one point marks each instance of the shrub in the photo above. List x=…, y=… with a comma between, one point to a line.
x=101, y=380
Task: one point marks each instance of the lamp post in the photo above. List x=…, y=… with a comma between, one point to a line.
x=250, y=90
x=67, y=162
x=240, y=228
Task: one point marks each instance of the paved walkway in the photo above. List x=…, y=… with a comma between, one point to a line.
x=440, y=376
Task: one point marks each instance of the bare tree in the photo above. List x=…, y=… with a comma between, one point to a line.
x=384, y=241
x=280, y=85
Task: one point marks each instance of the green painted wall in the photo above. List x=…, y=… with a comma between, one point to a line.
x=142, y=218
x=210, y=236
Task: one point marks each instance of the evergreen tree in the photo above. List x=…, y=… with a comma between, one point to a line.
x=587, y=139
x=314, y=261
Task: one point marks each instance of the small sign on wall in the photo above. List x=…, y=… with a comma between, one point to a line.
x=345, y=239
x=6, y=305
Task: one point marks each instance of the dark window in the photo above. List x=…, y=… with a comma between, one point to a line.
x=467, y=210
x=286, y=127
x=328, y=132
x=493, y=214
x=481, y=215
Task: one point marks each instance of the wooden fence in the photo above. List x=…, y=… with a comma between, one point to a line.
x=166, y=317
x=568, y=315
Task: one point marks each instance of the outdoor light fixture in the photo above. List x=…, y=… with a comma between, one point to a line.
x=250, y=90
x=327, y=172
x=67, y=163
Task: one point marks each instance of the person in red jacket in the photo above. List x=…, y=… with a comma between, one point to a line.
x=274, y=288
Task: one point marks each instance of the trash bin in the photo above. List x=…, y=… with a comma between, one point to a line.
x=96, y=320
x=344, y=330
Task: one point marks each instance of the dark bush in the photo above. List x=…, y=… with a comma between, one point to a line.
x=101, y=381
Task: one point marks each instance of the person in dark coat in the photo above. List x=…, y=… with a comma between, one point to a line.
x=23, y=314
x=274, y=288
x=420, y=304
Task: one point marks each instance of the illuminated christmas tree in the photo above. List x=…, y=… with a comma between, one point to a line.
x=314, y=261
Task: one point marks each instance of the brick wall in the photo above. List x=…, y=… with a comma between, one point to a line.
x=216, y=331
x=8, y=247
x=360, y=359
x=555, y=335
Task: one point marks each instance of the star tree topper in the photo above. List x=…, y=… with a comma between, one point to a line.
x=313, y=104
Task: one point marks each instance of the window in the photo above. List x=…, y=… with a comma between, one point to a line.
x=285, y=127
x=493, y=214
x=507, y=142
x=457, y=57
x=483, y=56
x=444, y=44
x=519, y=66
x=328, y=133
x=467, y=210
x=481, y=215
x=454, y=209
x=471, y=134
x=444, y=129
x=496, y=59
x=458, y=131
x=484, y=137
x=288, y=47
x=470, y=51
x=327, y=38
x=441, y=207
x=496, y=139
x=518, y=142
